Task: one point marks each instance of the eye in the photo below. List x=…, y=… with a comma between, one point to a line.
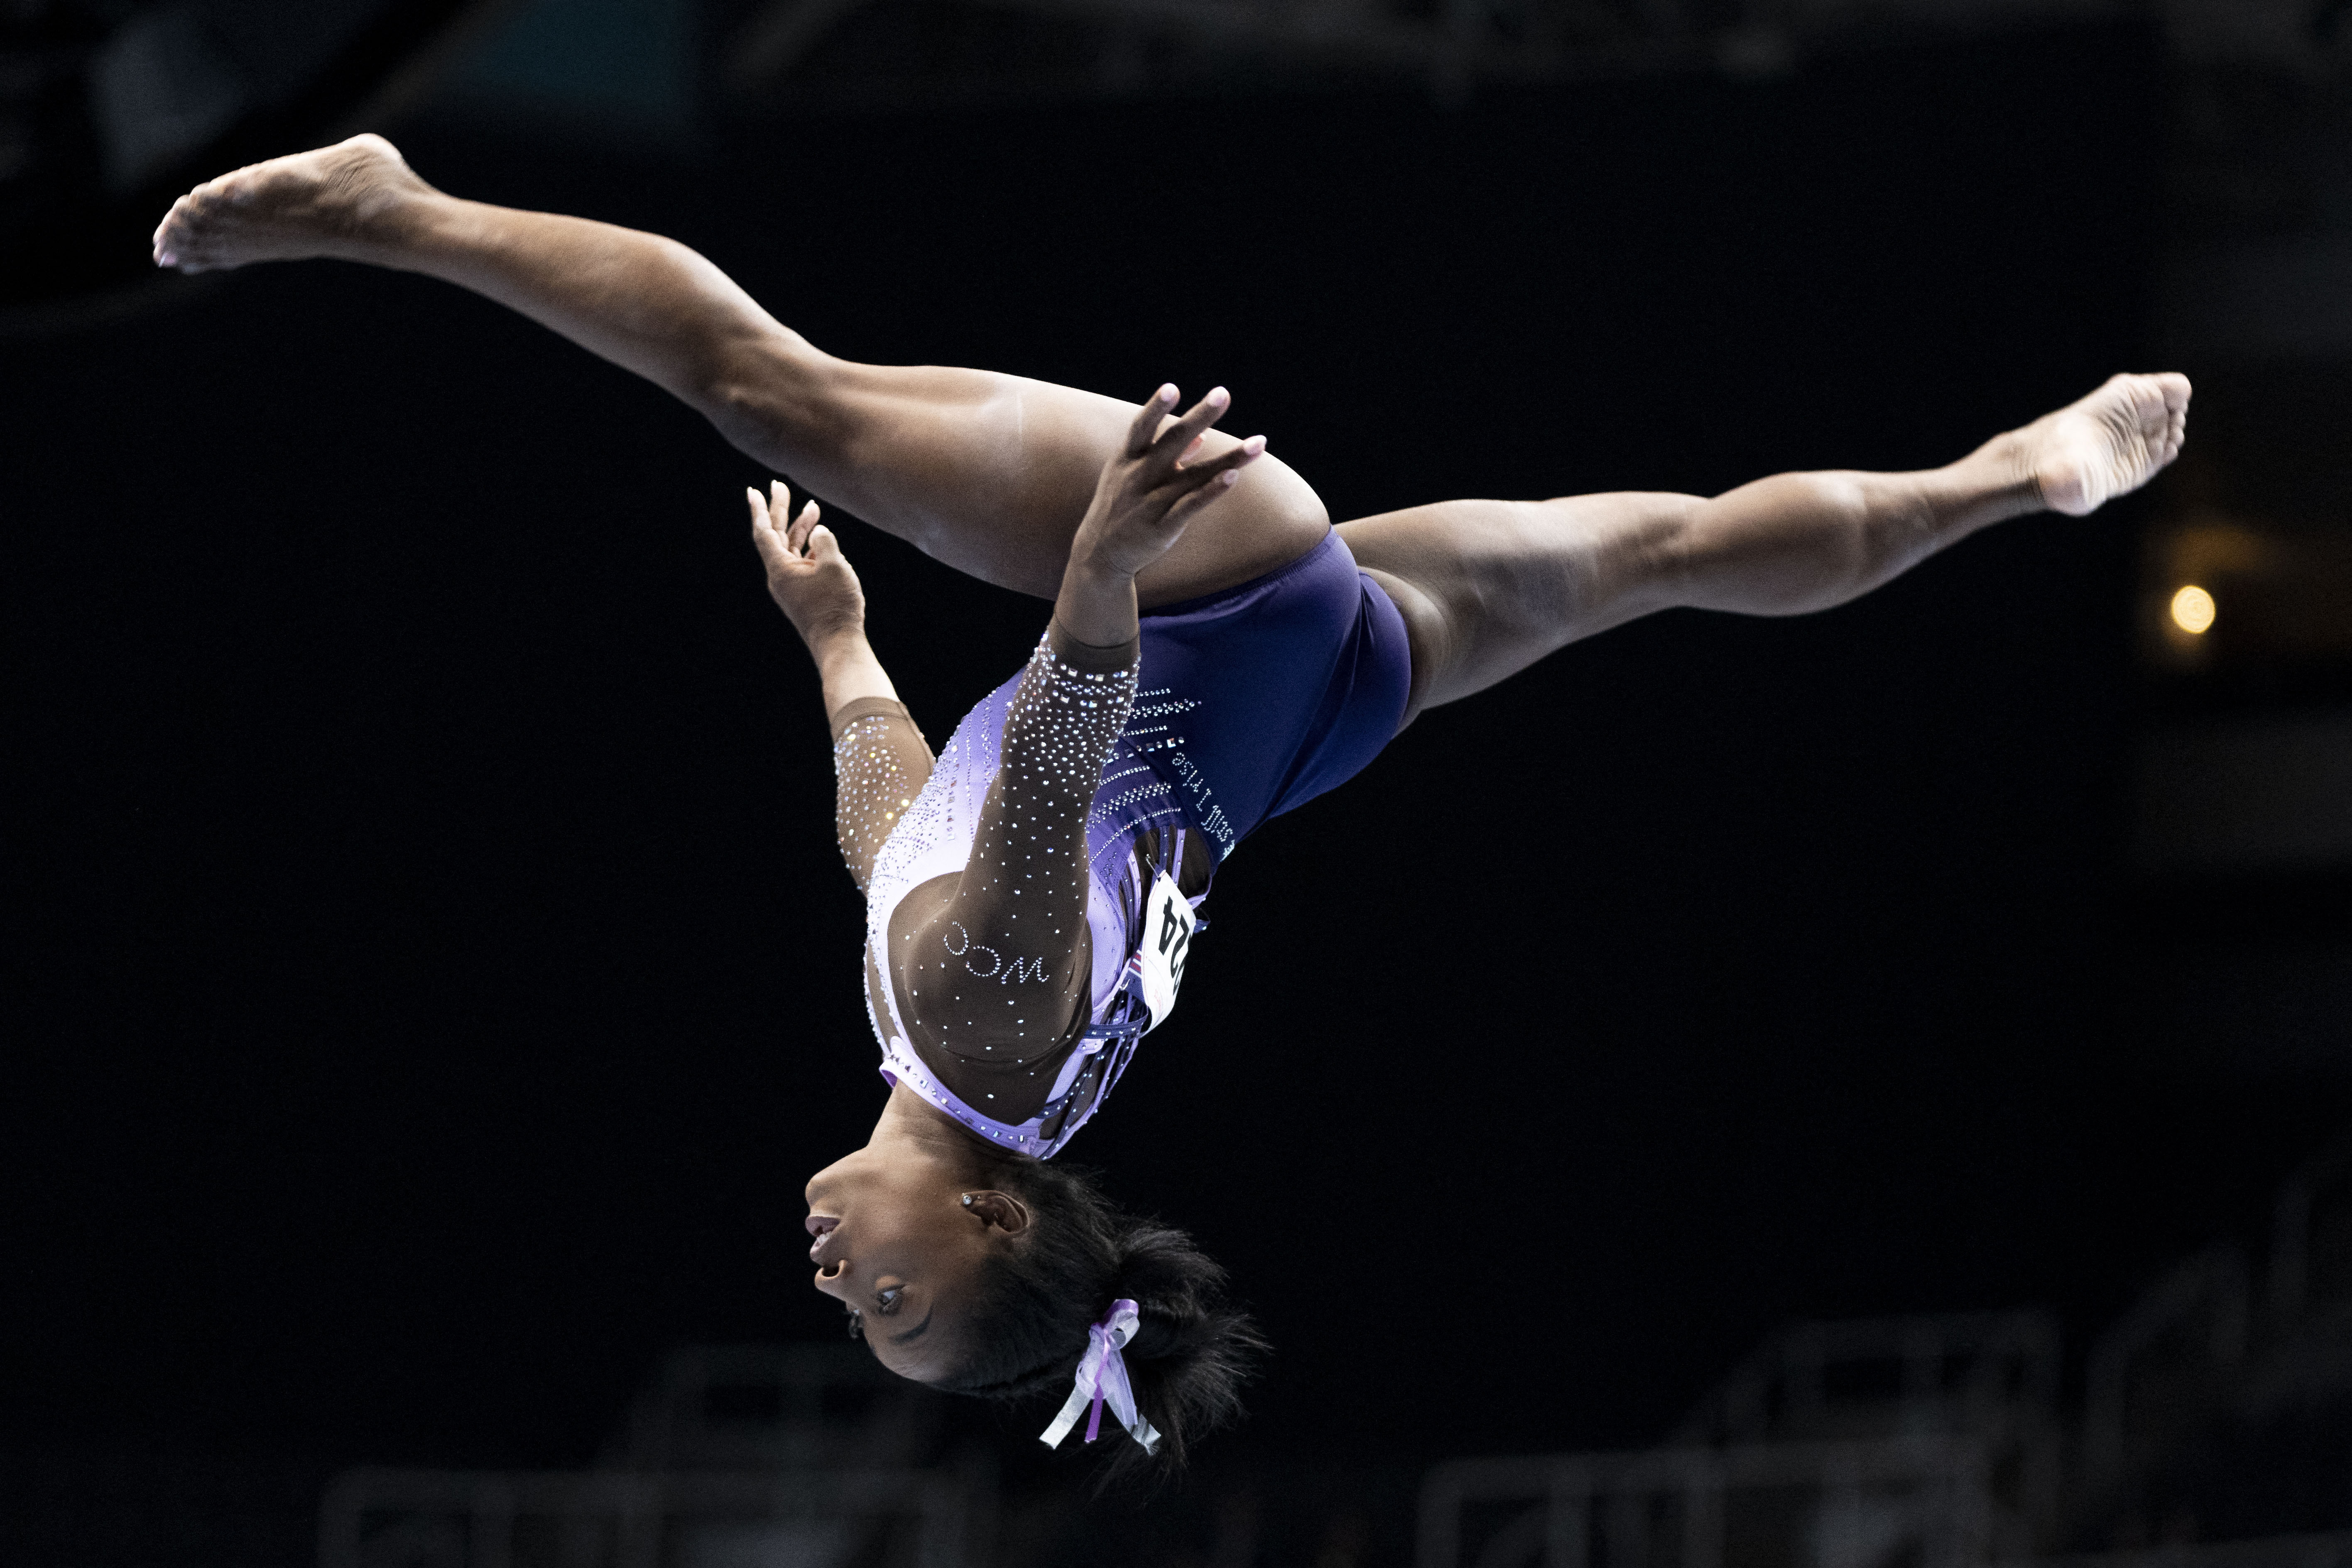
x=886, y=1301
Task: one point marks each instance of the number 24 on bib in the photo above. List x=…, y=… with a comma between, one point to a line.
x=1168, y=924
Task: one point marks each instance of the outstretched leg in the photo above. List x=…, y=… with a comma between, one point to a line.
x=1489, y=587
x=988, y=473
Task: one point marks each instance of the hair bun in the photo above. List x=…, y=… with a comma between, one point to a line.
x=1176, y=1288
x=1192, y=1349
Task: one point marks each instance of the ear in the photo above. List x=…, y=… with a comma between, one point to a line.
x=1000, y=1211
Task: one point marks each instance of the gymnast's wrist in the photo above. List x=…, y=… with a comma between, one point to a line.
x=1097, y=604
x=1089, y=566
x=1087, y=656
x=836, y=638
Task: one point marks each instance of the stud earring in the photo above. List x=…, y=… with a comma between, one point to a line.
x=967, y=1200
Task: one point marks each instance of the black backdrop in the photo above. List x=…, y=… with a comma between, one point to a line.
x=431, y=975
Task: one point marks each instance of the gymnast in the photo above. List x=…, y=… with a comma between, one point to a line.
x=1218, y=653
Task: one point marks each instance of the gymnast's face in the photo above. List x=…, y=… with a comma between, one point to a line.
x=896, y=1243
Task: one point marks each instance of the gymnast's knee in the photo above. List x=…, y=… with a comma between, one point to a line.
x=777, y=399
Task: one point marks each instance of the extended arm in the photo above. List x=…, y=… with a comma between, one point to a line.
x=1000, y=963
x=880, y=761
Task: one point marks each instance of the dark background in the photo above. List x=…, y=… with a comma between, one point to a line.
x=430, y=972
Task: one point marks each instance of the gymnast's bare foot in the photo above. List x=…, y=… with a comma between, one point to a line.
x=2109, y=444
x=329, y=202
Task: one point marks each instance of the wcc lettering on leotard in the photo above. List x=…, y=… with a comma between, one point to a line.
x=958, y=944
x=1159, y=962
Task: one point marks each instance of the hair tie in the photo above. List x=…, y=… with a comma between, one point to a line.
x=1102, y=1376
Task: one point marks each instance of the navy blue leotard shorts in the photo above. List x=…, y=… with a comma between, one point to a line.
x=1257, y=699
x=1251, y=702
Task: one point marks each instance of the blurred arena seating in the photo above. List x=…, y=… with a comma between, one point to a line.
x=732, y=1458
x=2211, y=1428
x=2216, y=1432
x=108, y=108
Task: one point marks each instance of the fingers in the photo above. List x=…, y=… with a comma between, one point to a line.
x=1218, y=472
x=1160, y=481
x=780, y=508
x=1192, y=500
x=771, y=518
x=766, y=538
x=1170, y=448
x=1183, y=436
x=1188, y=491
x=1167, y=505
x=1212, y=479
x=1189, y=505
x=1146, y=422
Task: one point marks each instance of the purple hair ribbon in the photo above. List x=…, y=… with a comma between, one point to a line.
x=1102, y=1380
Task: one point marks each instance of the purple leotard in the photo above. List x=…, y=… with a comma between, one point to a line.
x=1250, y=702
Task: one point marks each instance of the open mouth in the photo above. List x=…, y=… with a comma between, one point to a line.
x=822, y=1228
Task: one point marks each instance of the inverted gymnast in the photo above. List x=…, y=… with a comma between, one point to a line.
x=1218, y=653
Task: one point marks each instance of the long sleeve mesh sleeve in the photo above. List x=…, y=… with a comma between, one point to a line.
x=879, y=765
x=999, y=974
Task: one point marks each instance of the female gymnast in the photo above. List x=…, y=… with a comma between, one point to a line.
x=1218, y=653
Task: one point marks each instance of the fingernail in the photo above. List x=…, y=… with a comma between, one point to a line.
x=1219, y=396
x=1166, y=394
x=1253, y=446
x=1229, y=477
x=167, y=259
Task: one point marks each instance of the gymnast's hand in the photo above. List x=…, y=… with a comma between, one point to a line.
x=808, y=576
x=1148, y=491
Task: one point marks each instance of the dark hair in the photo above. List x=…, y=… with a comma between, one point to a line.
x=1192, y=1348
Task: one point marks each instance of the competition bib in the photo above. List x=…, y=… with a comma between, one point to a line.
x=1168, y=922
